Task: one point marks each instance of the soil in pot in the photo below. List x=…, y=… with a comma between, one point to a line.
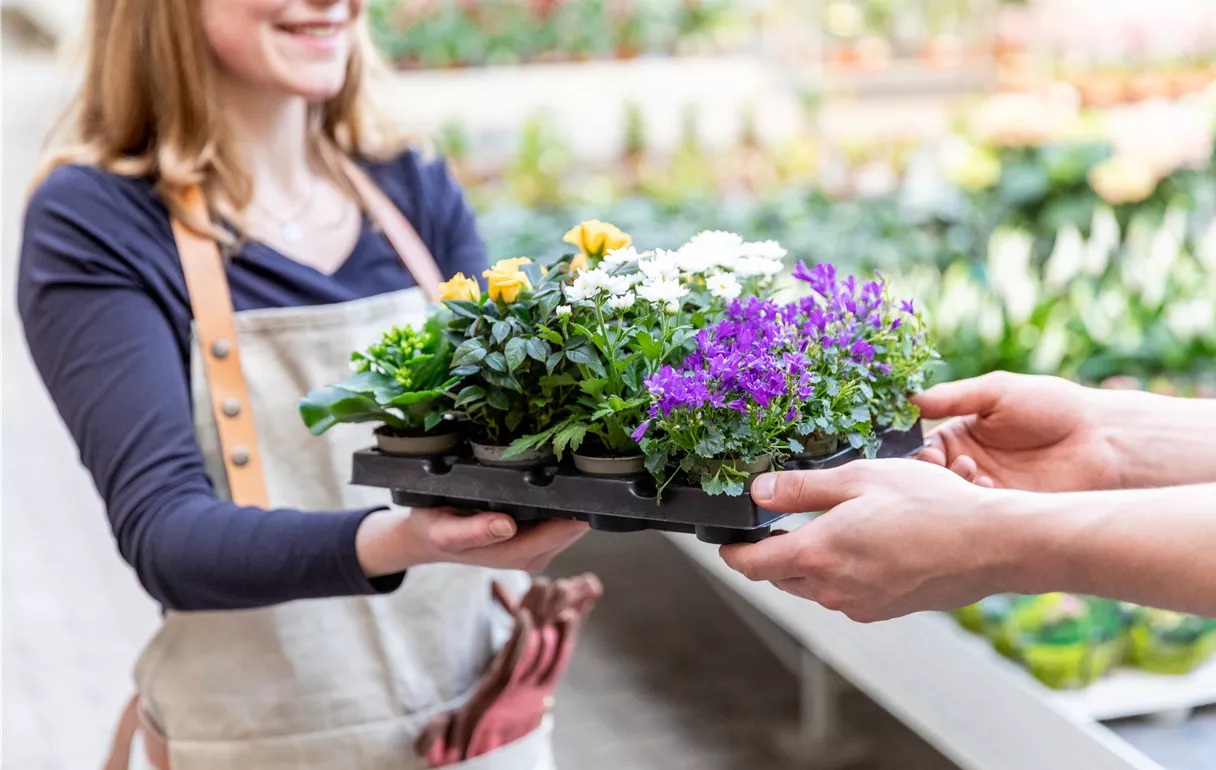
x=492, y=456
x=815, y=445
x=440, y=441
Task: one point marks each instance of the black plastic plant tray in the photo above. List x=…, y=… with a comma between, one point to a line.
x=607, y=504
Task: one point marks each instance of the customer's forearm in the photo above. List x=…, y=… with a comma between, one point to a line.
x=1150, y=546
x=1161, y=441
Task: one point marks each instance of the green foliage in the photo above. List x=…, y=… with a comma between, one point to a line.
x=400, y=382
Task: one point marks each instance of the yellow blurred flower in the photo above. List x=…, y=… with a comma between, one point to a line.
x=580, y=262
x=460, y=288
x=506, y=280
x=596, y=239
x=973, y=168
x=1121, y=180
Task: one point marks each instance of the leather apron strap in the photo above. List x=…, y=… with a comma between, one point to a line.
x=215, y=325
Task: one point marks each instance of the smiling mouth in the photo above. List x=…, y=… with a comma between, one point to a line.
x=314, y=29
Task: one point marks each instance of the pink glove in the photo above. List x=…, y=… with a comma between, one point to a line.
x=514, y=695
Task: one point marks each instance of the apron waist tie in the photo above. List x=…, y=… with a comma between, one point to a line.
x=134, y=720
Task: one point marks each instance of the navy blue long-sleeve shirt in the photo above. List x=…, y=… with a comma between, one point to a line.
x=107, y=317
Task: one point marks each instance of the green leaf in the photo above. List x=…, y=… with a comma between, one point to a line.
x=315, y=409
x=469, y=353
x=554, y=361
x=548, y=303
x=649, y=347
x=571, y=435
x=538, y=349
x=432, y=421
x=593, y=387
x=616, y=402
x=550, y=335
x=499, y=400
x=711, y=444
x=532, y=270
x=501, y=331
x=465, y=371
x=497, y=361
x=715, y=484
x=414, y=397
x=582, y=354
x=595, y=337
x=513, y=419
x=557, y=380
x=491, y=310
x=469, y=395
x=463, y=308
x=860, y=414
x=516, y=352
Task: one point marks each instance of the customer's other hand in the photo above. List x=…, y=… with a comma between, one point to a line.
x=1017, y=431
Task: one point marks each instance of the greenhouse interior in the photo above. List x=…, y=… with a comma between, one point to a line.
x=1036, y=177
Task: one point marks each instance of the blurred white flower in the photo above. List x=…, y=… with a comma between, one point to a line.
x=564, y=311
x=991, y=323
x=1163, y=135
x=724, y=286
x=967, y=166
x=1104, y=237
x=1019, y=120
x=1067, y=257
x=696, y=260
x=623, y=301
x=663, y=264
x=875, y=179
x=1162, y=254
x=587, y=285
x=1009, y=253
x=617, y=257
x=718, y=239
x=662, y=291
x=1205, y=248
x=1053, y=344
x=764, y=250
x=1123, y=179
x=757, y=267
x=1192, y=318
x=618, y=285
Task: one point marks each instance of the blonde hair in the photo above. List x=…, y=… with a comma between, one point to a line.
x=147, y=108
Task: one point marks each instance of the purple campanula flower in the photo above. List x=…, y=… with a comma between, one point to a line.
x=862, y=351
x=898, y=322
x=907, y=306
x=884, y=368
x=640, y=432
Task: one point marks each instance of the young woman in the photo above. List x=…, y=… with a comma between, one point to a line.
x=317, y=628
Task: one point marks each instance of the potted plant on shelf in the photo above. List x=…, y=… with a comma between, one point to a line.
x=511, y=379
x=1167, y=642
x=400, y=382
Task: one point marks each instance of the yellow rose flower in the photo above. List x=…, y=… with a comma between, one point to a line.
x=1123, y=180
x=460, y=288
x=506, y=280
x=580, y=262
x=596, y=238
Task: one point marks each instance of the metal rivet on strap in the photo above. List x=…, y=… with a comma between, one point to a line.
x=239, y=456
x=231, y=407
x=221, y=348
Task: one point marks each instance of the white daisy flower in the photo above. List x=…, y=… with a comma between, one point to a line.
x=623, y=301
x=618, y=285
x=588, y=284
x=724, y=286
x=618, y=257
x=664, y=264
x=755, y=267
x=564, y=311
x=763, y=250
x=719, y=239
x=662, y=291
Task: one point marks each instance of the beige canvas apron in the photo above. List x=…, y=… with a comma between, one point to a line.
x=332, y=683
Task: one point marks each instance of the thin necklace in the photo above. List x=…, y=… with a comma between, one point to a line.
x=289, y=228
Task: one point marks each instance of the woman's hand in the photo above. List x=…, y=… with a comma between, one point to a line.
x=899, y=536
x=392, y=541
x=1024, y=432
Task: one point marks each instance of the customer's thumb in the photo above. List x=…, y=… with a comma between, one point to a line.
x=978, y=395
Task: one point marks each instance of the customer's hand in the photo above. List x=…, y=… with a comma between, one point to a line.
x=899, y=536
x=1025, y=432
x=391, y=541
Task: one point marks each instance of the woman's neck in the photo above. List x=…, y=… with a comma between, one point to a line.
x=270, y=133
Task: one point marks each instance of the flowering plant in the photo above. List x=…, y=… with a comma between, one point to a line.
x=510, y=375
x=400, y=381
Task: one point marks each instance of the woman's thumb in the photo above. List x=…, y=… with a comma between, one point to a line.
x=455, y=533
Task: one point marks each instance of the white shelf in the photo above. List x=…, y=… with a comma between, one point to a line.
x=1129, y=692
x=980, y=710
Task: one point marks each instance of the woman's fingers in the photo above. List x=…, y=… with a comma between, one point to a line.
x=453, y=533
x=965, y=467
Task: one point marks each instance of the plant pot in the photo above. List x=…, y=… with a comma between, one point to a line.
x=1059, y=666
x=426, y=445
x=817, y=446
x=1160, y=656
x=755, y=467
x=492, y=456
x=633, y=465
